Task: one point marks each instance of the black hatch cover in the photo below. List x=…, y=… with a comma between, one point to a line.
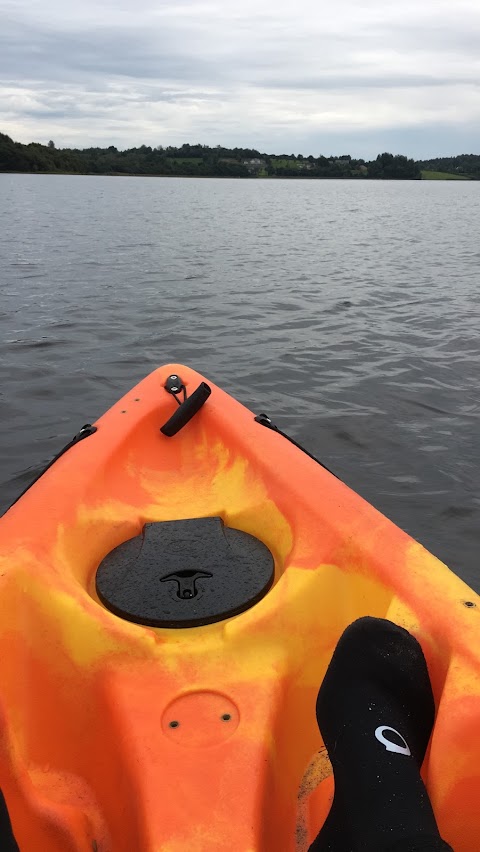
x=185, y=574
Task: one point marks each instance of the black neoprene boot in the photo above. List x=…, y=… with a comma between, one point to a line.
x=375, y=711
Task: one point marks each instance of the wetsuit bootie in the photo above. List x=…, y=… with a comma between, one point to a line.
x=375, y=711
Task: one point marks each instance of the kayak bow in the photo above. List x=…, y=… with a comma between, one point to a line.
x=172, y=589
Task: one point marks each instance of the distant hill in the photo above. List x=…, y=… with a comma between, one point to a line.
x=464, y=165
x=197, y=161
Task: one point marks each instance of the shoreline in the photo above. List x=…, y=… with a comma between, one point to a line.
x=459, y=179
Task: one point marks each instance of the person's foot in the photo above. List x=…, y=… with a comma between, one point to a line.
x=375, y=711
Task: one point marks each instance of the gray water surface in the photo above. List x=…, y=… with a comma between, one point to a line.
x=348, y=310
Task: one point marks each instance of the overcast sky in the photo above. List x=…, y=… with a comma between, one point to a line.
x=343, y=76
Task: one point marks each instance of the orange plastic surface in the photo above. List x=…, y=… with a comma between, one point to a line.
x=88, y=759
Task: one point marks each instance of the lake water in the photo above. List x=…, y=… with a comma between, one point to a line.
x=349, y=311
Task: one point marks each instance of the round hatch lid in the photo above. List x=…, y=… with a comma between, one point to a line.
x=185, y=574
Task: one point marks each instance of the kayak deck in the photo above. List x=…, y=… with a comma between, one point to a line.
x=90, y=755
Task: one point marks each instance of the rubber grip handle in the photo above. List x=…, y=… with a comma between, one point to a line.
x=186, y=411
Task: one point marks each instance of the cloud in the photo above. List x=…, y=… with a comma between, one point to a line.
x=285, y=77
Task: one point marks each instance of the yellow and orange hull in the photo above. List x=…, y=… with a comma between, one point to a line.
x=88, y=760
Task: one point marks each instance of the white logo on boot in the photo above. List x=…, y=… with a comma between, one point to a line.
x=388, y=743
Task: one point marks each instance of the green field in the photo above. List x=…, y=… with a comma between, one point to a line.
x=428, y=175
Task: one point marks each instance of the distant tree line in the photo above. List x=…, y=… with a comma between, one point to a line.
x=204, y=161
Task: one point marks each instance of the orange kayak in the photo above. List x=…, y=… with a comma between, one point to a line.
x=170, y=601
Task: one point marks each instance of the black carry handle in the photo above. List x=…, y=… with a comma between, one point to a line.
x=186, y=411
